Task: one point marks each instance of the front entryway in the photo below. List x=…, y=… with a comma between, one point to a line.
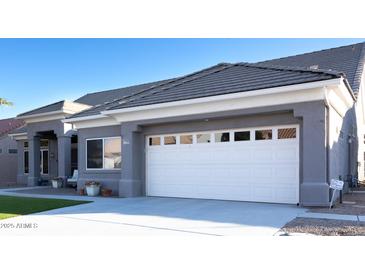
x=48, y=155
x=253, y=164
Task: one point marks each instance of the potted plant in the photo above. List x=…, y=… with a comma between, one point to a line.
x=92, y=188
x=106, y=192
x=57, y=182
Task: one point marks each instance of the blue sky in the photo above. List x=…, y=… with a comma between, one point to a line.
x=36, y=72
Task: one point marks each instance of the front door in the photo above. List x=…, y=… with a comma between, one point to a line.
x=44, y=161
x=44, y=165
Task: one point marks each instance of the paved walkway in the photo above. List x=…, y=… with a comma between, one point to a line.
x=161, y=216
x=332, y=216
x=152, y=216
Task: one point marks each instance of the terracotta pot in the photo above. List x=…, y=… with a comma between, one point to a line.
x=106, y=192
x=82, y=191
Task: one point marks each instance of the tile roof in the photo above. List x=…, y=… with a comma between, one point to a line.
x=217, y=80
x=53, y=107
x=224, y=78
x=142, y=89
x=101, y=97
x=347, y=59
x=8, y=125
x=48, y=108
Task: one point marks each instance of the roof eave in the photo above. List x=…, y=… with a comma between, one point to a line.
x=316, y=84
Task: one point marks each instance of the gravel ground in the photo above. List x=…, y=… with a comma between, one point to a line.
x=324, y=227
x=353, y=204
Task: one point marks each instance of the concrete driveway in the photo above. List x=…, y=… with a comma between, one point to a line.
x=155, y=216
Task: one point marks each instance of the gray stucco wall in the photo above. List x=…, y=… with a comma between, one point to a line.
x=22, y=178
x=108, y=178
x=311, y=117
x=271, y=119
x=343, y=152
x=315, y=152
x=8, y=162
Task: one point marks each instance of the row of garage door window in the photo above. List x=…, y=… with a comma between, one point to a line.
x=266, y=134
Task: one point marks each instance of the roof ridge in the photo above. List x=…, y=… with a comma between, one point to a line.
x=293, y=68
x=125, y=97
x=164, y=82
x=315, y=51
x=114, y=89
x=220, y=65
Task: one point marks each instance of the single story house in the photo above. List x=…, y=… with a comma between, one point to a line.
x=8, y=152
x=274, y=131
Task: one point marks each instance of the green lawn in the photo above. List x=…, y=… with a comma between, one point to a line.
x=14, y=206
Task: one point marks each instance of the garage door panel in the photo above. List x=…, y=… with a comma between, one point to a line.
x=262, y=171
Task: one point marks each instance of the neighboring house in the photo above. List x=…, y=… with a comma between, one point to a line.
x=275, y=131
x=8, y=152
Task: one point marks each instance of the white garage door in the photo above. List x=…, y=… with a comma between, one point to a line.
x=256, y=164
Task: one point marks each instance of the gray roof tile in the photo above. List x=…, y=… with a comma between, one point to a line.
x=55, y=107
x=217, y=80
x=347, y=59
x=102, y=97
x=227, y=78
x=48, y=108
x=230, y=78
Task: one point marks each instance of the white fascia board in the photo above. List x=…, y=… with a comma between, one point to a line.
x=262, y=98
x=85, y=118
x=40, y=114
x=18, y=136
x=100, y=122
x=48, y=116
x=237, y=95
x=223, y=105
x=45, y=118
x=340, y=98
x=274, y=96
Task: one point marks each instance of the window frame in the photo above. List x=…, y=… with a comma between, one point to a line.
x=14, y=151
x=25, y=149
x=42, y=161
x=42, y=150
x=252, y=131
x=289, y=127
x=103, y=149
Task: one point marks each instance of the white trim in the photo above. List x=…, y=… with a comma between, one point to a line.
x=115, y=117
x=252, y=130
x=221, y=103
x=84, y=118
x=103, y=141
x=67, y=109
x=57, y=116
x=95, y=122
x=18, y=136
x=283, y=89
x=41, y=114
x=41, y=166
